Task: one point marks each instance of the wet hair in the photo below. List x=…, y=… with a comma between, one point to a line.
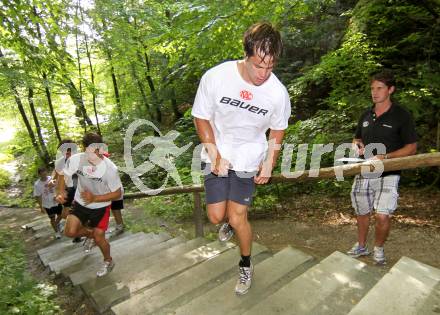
x=263, y=37
x=41, y=170
x=90, y=138
x=385, y=76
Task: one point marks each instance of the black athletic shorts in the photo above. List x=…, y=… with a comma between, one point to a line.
x=118, y=204
x=92, y=218
x=70, y=196
x=237, y=186
x=51, y=212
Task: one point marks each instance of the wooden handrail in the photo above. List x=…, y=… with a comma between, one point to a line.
x=347, y=170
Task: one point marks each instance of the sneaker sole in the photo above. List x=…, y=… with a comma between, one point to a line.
x=226, y=239
x=242, y=293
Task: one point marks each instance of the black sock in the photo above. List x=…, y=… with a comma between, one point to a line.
x=245, y=261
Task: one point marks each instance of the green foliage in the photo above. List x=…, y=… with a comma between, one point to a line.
x=5, y=178
x=19, y=293
x=173, y=207
x=154, y=53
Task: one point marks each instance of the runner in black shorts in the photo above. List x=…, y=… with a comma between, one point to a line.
x=67, y=148
x=44, y=192
x=236, y=103
x=117, y=206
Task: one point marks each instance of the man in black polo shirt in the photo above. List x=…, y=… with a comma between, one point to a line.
x=389, y=124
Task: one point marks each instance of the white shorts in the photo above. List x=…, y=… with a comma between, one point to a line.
x=375, y=193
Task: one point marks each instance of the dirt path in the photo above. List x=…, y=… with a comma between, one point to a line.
x=322, y=226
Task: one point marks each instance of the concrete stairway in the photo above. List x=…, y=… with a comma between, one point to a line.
x=157, y=274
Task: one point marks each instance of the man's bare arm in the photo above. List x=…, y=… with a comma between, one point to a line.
x=275, y=141
x=206, y=135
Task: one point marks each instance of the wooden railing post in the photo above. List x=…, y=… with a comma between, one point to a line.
x=198, y=214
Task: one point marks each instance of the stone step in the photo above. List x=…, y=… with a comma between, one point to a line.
x=87, y=268
x=168, y=295
x=69, y=260
x=68, y=248
x=66, y=244
x=410, y=287
x=35, y=221
x=154, y=274
x=134, y=264
x=333, y=286
x=269, y=276
x=42, y=226
x=45, y=234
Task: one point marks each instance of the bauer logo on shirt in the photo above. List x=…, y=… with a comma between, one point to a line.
x=243, y=105
x=246, y=95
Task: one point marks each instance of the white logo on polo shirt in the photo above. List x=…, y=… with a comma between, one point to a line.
x=388, y=126
x=365, y=124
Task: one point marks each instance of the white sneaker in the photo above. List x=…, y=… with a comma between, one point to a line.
x=245, y=280
x=57, y=235
x=379, y=255
x=60, y=226
x=225, y=232
x=118, y=230
x=89, y=243
x=106, y=267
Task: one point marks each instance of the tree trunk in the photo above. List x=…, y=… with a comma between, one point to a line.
x=176, y=112
x=49, y=102
x=43, y=147
x=141, y=87
x=27, y=124
x=92, y=76
x=113, y=75
x=156, y=101
x=115, y=86
x=46, y=86
x=80, y=111
x=23, y=113
x=78, y=61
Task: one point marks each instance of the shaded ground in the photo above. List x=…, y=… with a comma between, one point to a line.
x=316, y=225
x=320, y=227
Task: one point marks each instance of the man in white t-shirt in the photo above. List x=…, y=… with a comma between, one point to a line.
x=98, y=185
x=44, y=192
x=236, y=103
x=67, y=148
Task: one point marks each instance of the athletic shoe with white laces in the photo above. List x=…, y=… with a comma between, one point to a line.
x=225, y=232
x=357, y=251
x=57, y=235
x=106, y=267
x=119, y=229
x=60, y=227
x=89, y=243
x=244, y=279
x=379, y=255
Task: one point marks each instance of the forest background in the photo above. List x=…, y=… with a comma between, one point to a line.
x=68, y=67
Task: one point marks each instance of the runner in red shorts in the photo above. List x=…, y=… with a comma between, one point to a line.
x=98, y=185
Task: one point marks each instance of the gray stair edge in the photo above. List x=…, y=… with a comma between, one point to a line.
x=128, y=251
x=58, y=265
x=262, y=254
x=63, y=253
x=165, y=278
